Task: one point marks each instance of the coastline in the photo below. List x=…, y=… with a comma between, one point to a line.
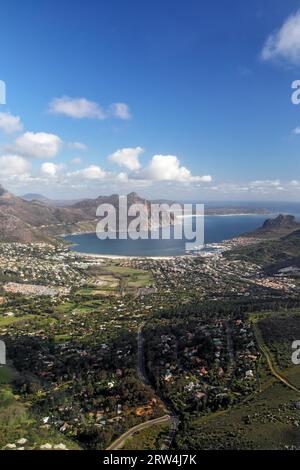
x=222, y=244
x=129, y=257
x=252, y=214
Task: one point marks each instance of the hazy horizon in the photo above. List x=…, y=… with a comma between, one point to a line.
x=218, y=202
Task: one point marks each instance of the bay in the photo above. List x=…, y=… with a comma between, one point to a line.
x=216, y=229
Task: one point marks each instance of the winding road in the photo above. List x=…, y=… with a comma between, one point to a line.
x=118, y=443
x=268, y=357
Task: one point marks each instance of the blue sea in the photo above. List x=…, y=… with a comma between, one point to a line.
x=216, y=229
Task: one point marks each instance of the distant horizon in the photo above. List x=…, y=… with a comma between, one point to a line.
x=187, y=201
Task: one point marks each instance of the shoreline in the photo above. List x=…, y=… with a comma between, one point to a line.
x=209, y=247
x=240, y=214
x=129, y=257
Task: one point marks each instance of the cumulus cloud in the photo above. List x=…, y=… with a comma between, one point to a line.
x=50, y=169
x=128, y=157
x=10, y=124
x=38, y=145
x=80, y=108
x=12, y=166
x=77, y=108
x=160, y=169
x=92, y=172
x=284, y=44
x=120, y=110
x=167, y=168
x=296, y=131
x=122, y=177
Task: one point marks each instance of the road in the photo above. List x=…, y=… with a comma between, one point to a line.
x=171, y=417
x=267, y=355
x=174, y=421
x=141, y=358
x=230, y=351
x=118, y=443
x=274, y=371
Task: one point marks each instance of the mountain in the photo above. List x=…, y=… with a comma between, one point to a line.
x=36, y=220
x=281, y=222
x=275, y=228
x=89, y=206
x=51, y=202
x=30, y=221
x=37, y=197
x=276, y=253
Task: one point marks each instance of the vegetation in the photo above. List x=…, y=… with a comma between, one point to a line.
x=148, y=439
x=72, y=378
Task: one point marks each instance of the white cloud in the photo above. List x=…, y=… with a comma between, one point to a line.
x=92, y=172
x=122, y=177
x=265, y=184
x=38, y=145
x=253, y=188
x=128, y=157
x=167, y=168
x=13, y=166
x=296, y=131
x=120, y=110
x=284, y=44
x=50, y=169
x=9, y=123
x=77, y=108
x=77, y=146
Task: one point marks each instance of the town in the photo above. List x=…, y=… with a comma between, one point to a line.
x=71, y=324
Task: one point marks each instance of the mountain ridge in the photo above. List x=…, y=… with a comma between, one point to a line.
x=36, y=221
x=283, y=224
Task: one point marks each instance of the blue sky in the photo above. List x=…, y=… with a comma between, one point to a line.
x=188, y=99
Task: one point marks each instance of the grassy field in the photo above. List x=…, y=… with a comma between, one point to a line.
x=112, y=278
x=6, y=321
x=131, y=277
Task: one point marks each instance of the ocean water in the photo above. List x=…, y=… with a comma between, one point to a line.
x=216, y=229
